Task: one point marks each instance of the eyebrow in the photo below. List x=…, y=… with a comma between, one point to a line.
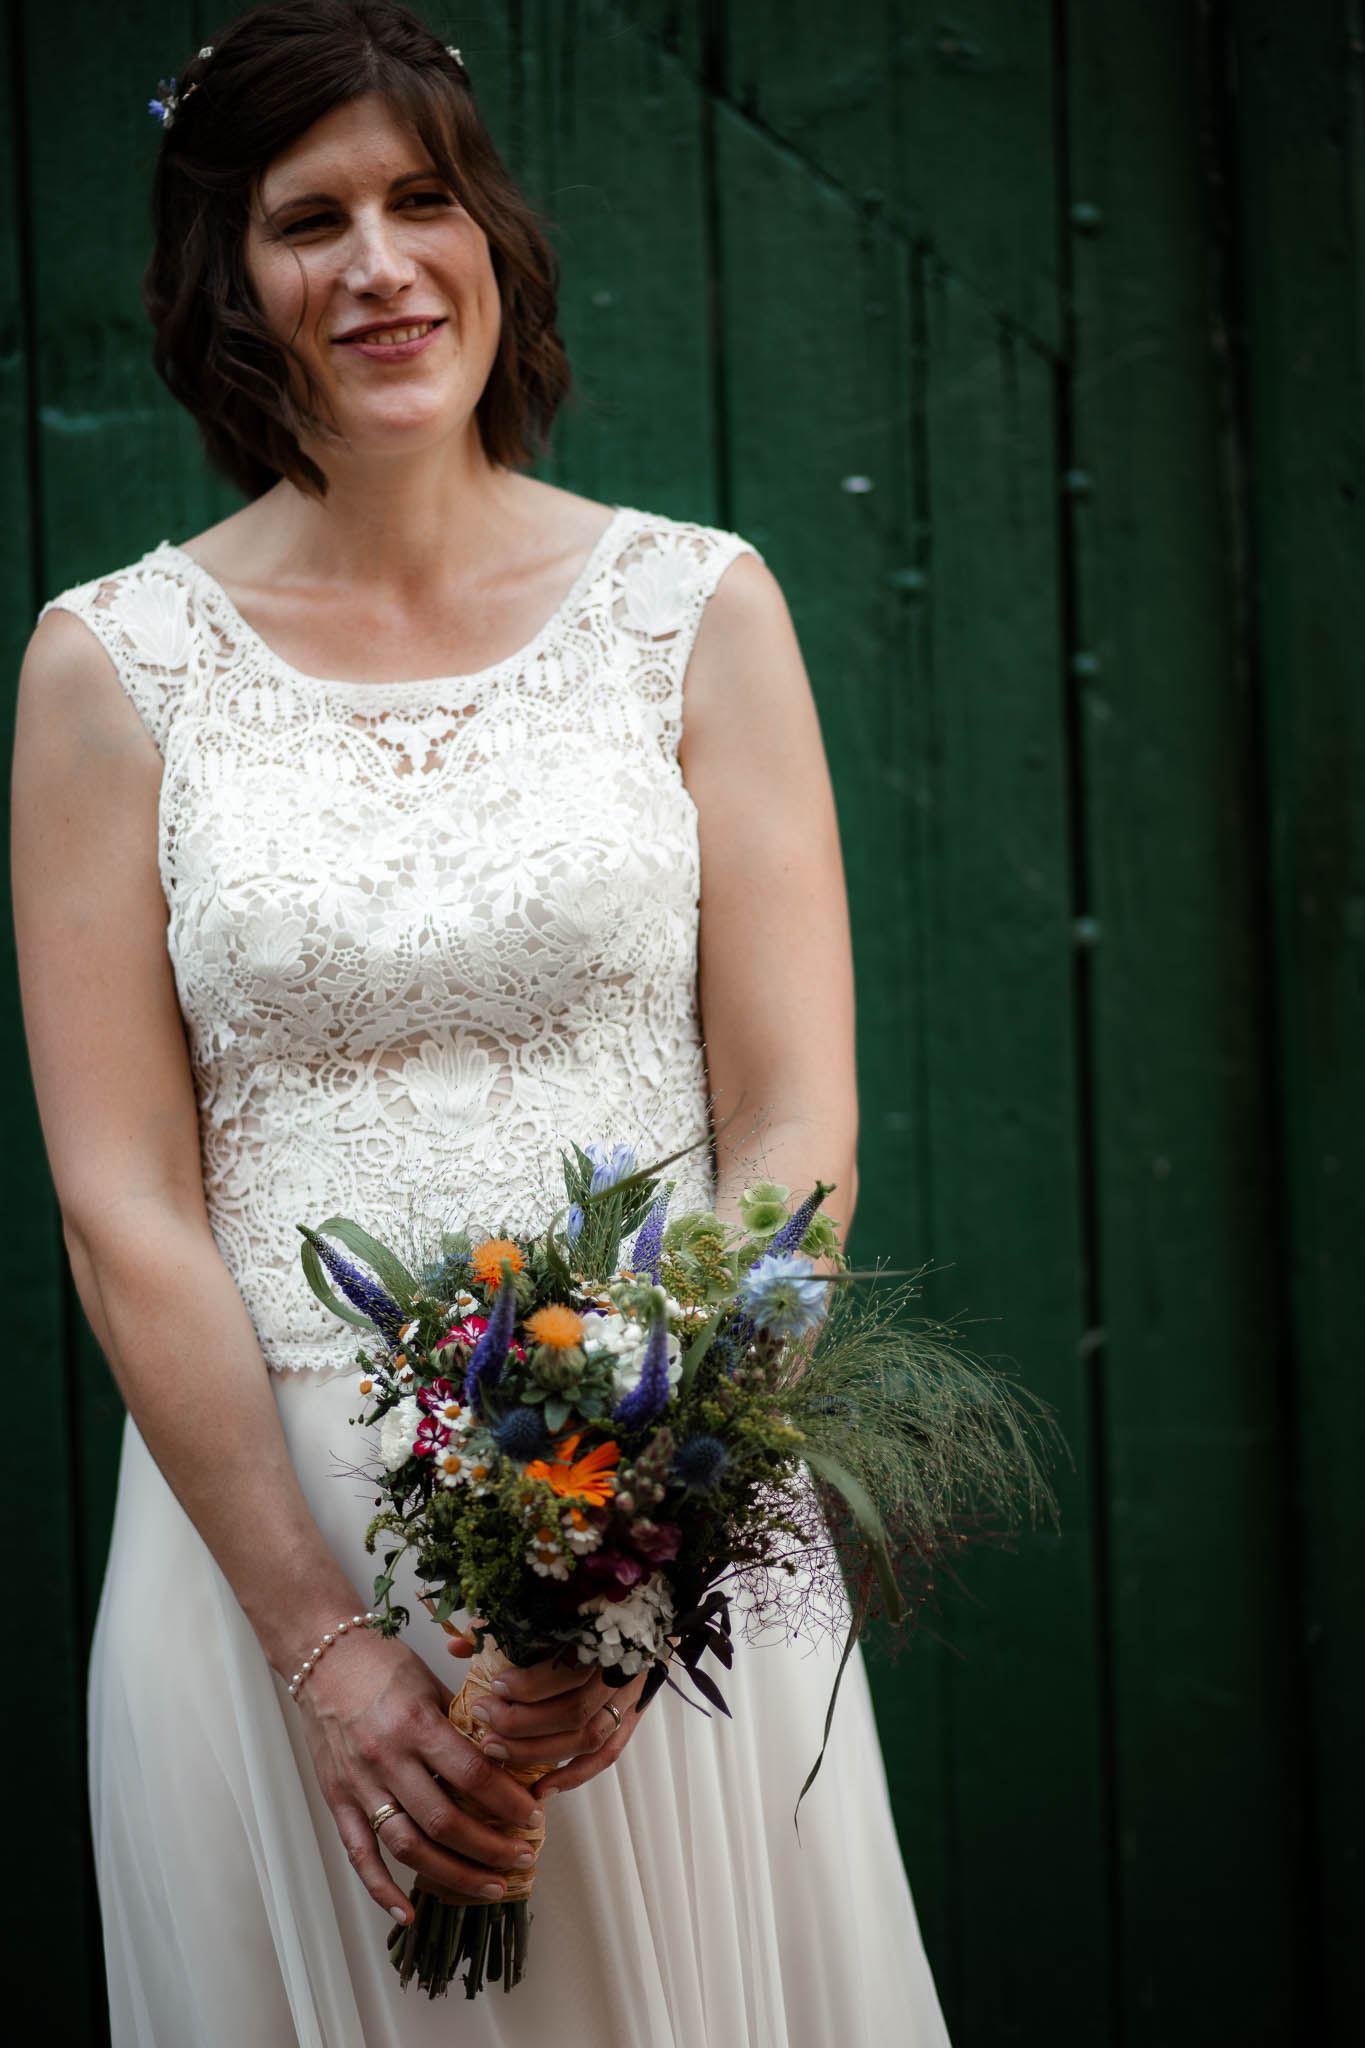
x=329, y=198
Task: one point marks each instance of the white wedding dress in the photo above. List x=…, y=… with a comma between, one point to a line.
x=423, y=934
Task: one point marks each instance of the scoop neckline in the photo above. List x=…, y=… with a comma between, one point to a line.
x=403, y=685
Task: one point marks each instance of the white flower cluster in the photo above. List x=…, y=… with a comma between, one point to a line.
x=631, y=1632
x=623, y=1339
x=398, y=1432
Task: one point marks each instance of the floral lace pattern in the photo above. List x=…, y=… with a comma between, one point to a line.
x=424, y=932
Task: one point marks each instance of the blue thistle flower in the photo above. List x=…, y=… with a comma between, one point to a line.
x=649, y=1396
x=648, y=1252
x=490, y=1353
x=362, y=1292
x=522, y=1435
x=788, y=1238
x=780, y=1294
x=700, y=1461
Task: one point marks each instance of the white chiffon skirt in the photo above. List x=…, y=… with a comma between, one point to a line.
x=674, y=1906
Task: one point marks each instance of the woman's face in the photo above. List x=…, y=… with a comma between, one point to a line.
x=367, y=264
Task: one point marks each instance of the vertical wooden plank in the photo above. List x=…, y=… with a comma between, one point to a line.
x=53, y=1941
x=1300, y=155
x=1022, y=1684
x=945, y=119
x=1206, y=1744
x=818, y=433
x=931, y=638
x=615, y=155
x=120, y=460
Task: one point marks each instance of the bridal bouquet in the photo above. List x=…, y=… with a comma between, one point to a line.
x=590, y=1452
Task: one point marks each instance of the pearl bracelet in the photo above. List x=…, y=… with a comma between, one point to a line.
x=343, y=1628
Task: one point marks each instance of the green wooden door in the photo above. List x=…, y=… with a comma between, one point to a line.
x=1025, y=341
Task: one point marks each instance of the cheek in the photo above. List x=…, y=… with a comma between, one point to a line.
x=281, y=283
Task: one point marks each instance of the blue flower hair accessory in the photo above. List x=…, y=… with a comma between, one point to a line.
x=169, y=102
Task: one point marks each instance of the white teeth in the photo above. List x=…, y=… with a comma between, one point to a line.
x=388, y=336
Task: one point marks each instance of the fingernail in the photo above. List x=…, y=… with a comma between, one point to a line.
x=400, y=1914
x=490, y=1891
x=536, y=1816
x=499, y=1685
x=524, y=1858
x=481, y=1711
x=497, y=1749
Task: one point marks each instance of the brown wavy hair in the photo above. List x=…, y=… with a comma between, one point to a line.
x=268, y=78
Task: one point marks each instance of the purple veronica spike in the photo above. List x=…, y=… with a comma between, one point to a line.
x=362, y=1292
x=788, y=1238
x=649, y=1396
x=647, y=1255
x=490, y=1353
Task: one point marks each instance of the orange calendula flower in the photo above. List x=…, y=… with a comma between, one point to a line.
x=591, y=1478
x=559, y=1327
x=486, y=1259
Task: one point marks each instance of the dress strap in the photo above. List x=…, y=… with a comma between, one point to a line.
x=663, y=573
x=144, y=619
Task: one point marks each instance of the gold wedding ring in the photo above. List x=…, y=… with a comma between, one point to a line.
x=615, y=1713
x=383, y=1813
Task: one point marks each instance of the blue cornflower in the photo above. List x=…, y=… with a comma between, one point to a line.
x=781, y=1296
x=609, y=1167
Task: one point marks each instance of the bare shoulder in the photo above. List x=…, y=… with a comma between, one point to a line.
x=73, y=713
x=746, y=655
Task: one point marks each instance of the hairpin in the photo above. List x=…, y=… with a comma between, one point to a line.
x=165, y=108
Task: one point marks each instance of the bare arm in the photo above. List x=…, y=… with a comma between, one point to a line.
x=775, y=965
x=116, y=1097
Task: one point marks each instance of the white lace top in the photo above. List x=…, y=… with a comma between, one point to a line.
x=424, y=933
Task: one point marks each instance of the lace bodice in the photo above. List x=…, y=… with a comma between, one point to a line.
x=424, y=933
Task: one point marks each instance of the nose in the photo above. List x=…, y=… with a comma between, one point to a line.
x=377, y=263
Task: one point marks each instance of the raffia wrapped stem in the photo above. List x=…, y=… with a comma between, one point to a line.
x=488, y=1664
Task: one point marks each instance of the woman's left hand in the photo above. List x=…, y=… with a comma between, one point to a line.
x=555, y=1714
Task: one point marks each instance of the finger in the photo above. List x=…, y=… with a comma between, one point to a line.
x=461, y=1645
x=358, y=1840
x=447, y=1828
x=530, y=1682
x=563, y=1713
x=578, y=1770
x=558, y=1747
x=476, y=1777
x=402, y=1839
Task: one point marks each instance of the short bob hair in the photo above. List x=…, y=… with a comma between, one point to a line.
x=266, y=80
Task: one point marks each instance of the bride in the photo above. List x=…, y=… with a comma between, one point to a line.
x=415, y=820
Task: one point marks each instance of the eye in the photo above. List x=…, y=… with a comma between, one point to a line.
x=427, y=199
x=308, y=223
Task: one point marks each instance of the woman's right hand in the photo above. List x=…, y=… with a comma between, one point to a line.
x=376, y=1727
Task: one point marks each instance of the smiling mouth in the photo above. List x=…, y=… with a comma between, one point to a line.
x=392, y=337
